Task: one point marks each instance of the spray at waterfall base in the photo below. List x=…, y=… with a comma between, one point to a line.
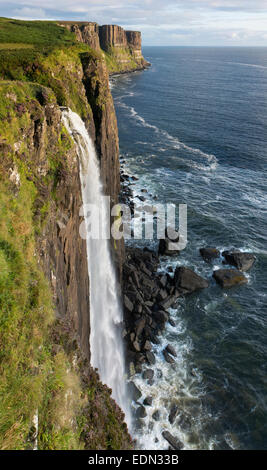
x=149, y=222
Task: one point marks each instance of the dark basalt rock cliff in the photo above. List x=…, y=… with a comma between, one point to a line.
x=112, y=36
x=124, y=48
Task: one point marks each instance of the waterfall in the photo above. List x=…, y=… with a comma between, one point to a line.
x=107, y=354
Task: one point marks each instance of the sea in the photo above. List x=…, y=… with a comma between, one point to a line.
x=193, y=129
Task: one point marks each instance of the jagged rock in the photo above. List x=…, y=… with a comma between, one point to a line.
x=140, y=325
x=156, y=415
x=170, y=301
x=242, y=261
x=229, y=277
x=148, y=401
x=188, y=281
x=170, y=349
x=173, y=413
x=173, y=441
x=161, y=316
x=208, y=254
x=141, y=412
x=136, y=346
x=134, y=391
x=150, y=358
x=168, y=358
x=147, y=346
x=128, y=304
x=163, y=281
x=162, y=295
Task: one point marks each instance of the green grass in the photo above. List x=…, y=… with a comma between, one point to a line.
x=12, y=46
x=43, y=34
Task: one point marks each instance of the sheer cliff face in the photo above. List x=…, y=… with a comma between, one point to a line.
x=124, y=48
x=112, y=36
x=84, y=32
x=114, y=39
x=135, y=44
x=80, y=81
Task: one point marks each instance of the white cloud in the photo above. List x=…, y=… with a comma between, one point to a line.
x=30, y=13
x=190, y=22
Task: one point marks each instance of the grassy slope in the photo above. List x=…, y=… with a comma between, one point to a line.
x=35, y=366
x=31, y=376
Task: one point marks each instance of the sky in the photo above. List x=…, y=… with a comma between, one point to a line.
x=162, y=23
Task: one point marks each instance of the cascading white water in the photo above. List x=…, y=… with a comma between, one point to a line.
x=105, y=311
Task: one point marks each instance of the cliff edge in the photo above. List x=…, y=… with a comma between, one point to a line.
x=122, y=49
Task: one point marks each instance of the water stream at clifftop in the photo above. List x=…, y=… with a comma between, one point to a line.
x=106, y=315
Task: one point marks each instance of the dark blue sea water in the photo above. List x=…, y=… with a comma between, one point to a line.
x=194, y=129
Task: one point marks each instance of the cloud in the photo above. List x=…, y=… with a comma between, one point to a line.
x=30, y=13
x=174, y=22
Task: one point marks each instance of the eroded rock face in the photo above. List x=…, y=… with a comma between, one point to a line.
x=112, y=36
x=124, y=46
x=96, y=83
x=229, y=277
x=85, y=32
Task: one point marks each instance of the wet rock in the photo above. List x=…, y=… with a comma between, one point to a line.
x=208, y=254
x=170, y=301
x=161, y=316
x=148, y=374
x=140, y=412
x=229, y=277
x=141, y=198
x=188, y=281
x=150, y=358
x=242, y=261
x=168, y=358
x=162, y=295
x=140, y=325
x=136, y=346
x=147, y=346
x=170, y=349
x=138, y=369
x=156, y=415
x=173, y=413
x=171, y=322
x=148, y=401
x=128, y=304
x=163, y=281
x=173, y=441
x=134, y=391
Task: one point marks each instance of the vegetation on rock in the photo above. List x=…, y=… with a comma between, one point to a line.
x=41, y=367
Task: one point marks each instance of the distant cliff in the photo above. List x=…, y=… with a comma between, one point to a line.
x=123, y=49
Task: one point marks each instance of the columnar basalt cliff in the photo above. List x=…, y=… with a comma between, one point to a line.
x=40, y=173
x=123, y=49
x=112, y=36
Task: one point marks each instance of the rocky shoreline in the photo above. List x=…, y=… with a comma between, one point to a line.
x=148, y=294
